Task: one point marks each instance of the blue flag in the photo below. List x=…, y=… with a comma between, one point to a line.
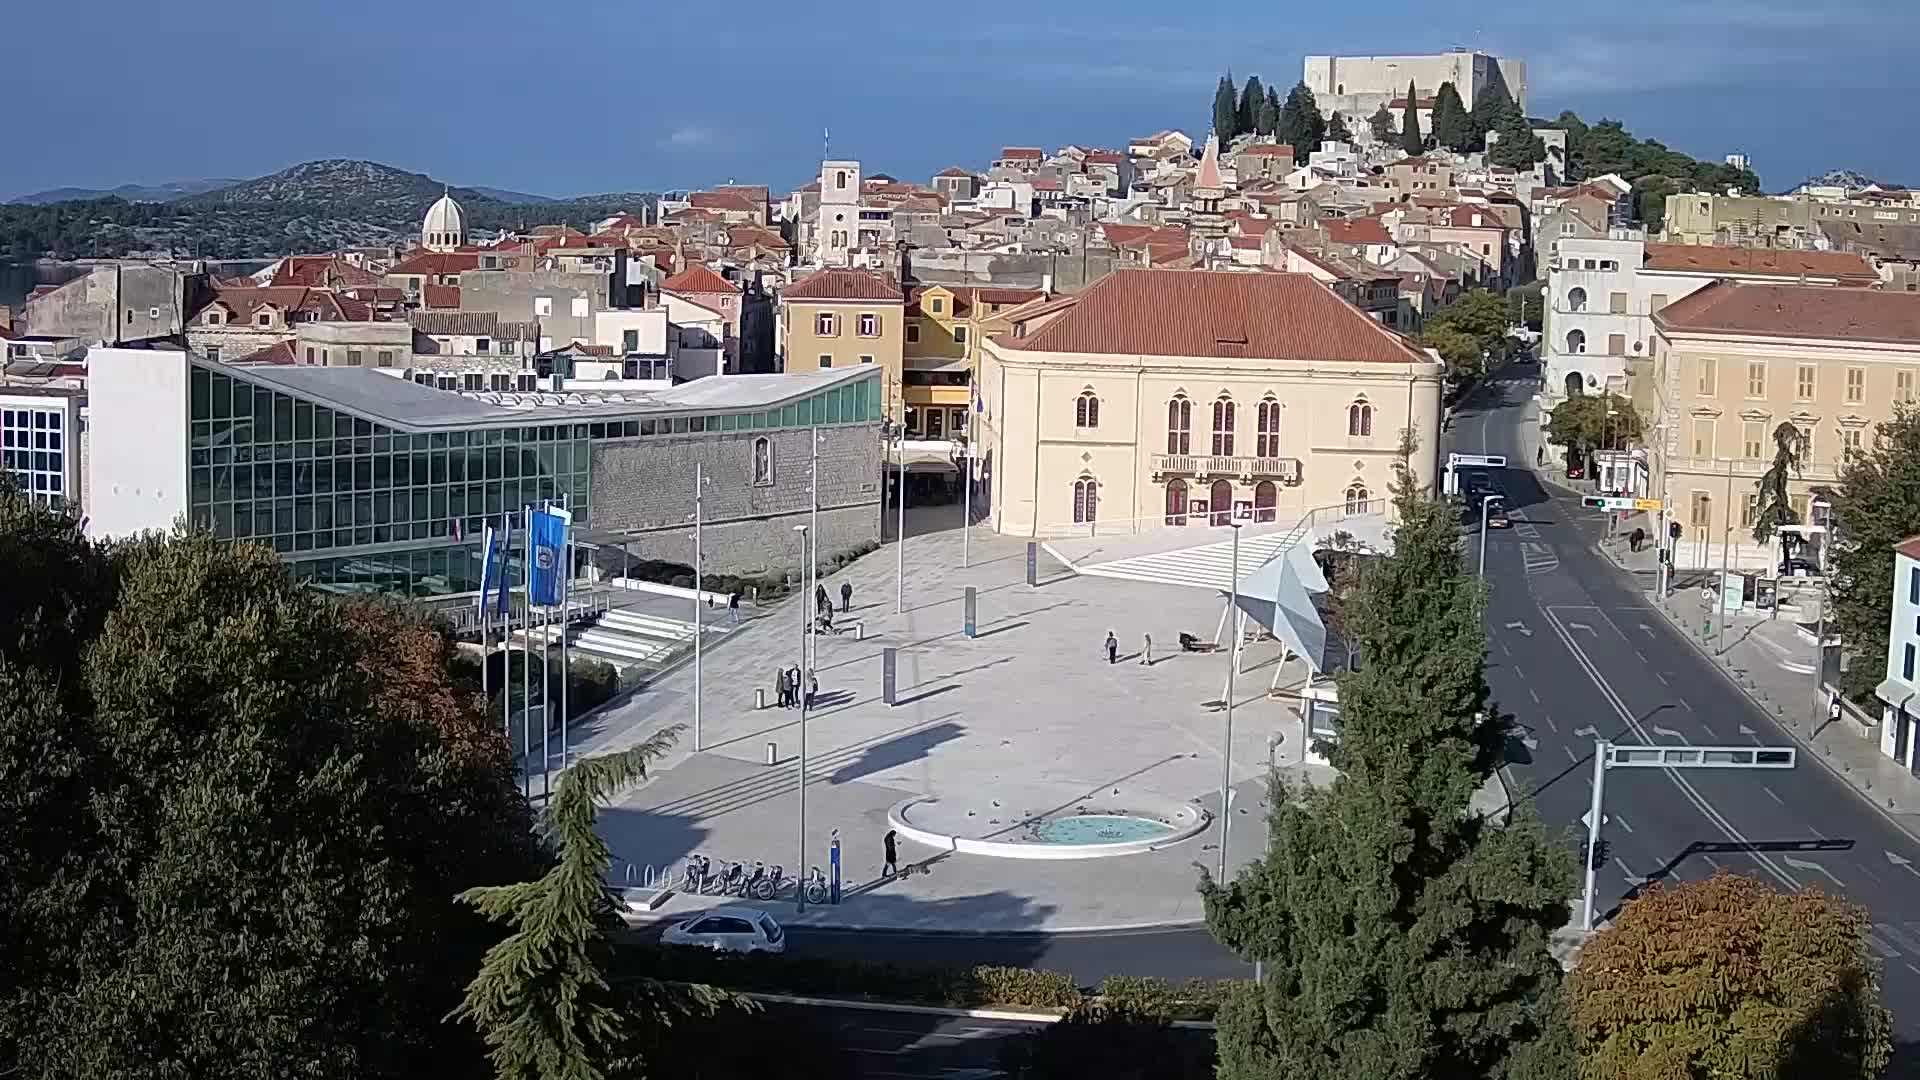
x=489, y=567
x=505, y=608
x=547, y=538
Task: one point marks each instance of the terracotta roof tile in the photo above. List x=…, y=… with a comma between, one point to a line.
x=323, y=271
x=434, y=263
x=279, y=353
x=1910, y=547
x=1267, y=150
x=1766, y=309
x=441, y=296
x=954, y=170
x=1217, y=314
x=1106, y=157
x=838, y=284
x=1021, y=153
x=1365, y=230
x=699, y=278
x=1786, y=262
x=724, y=200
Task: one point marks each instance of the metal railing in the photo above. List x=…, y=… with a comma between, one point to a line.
x=462, y=612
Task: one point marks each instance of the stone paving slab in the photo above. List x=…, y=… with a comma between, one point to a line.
x=1028, y=703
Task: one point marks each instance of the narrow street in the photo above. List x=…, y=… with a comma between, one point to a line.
x=1576, y=652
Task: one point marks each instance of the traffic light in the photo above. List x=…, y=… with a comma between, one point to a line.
x=1601, y=851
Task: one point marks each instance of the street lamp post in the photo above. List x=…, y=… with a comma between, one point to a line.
x=806, y=631
x=900, y=531
x=699, y=630
x=966, y=510
x=1233, y=664
x=1483, y=529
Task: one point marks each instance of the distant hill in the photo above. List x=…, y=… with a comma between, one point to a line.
x=313, y=206
x=1844, y=178
x=168, y=192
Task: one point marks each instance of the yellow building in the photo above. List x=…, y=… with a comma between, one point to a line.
x=945, y=326
x=1190, y=398
x=839, y=318
x=1734, y=361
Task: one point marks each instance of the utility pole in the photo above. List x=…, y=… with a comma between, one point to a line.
x=966, y=512
x=699, y=629
x=1726, y=549
x=900, y=532
x=806, y=630
x=1483, y=529
x=1233, y=665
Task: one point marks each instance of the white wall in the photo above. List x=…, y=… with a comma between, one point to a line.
x=137, y=440
x=609, y=328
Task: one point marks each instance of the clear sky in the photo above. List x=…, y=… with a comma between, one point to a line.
x=576, y=96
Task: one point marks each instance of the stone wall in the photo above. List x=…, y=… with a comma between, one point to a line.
x=1069, y=273
x=644, y=488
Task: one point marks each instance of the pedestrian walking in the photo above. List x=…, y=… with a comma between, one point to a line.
x=820, y=600
x=1113, y=648
x=813, y=687
x=1539, y=455
x=846, y=596
x=780, y=687
x=892, y=865
x=733, y=607
x=1146, y=650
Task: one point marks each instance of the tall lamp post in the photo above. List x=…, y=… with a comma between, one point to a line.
x=806, y=631
x=699, y=631
x=1233, y=665
x=1483, y=529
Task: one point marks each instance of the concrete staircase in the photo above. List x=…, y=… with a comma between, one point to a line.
x=629, y=639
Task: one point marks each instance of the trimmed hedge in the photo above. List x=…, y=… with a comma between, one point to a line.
x=594, y=684
x=982, y=986
x=767, y=586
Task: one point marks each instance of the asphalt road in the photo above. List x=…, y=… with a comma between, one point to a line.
x=1575, y=649
x=1089, y=956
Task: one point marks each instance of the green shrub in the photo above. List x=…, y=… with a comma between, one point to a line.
x=594, y=683
x=1023, y=987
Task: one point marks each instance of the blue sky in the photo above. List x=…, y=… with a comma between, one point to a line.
x=577, y=96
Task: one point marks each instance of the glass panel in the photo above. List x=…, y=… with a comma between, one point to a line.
x=834, y=398
x=201, y=393
x=222, y=394
x=242, y=400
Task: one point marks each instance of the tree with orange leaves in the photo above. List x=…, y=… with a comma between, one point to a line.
x=1728, y=978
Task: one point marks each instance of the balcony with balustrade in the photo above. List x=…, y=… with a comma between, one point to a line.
x=1207, y=466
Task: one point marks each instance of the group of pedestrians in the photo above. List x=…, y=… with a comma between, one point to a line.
x=788, y=690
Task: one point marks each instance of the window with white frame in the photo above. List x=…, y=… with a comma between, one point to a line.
x=869, y=324
x=543, y=305
x=1360, y=420
x=826, y=324
x=1223, y=423
x=581, y=308
x=33, y=452
x=959, y=335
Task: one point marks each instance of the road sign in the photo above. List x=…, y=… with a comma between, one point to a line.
x=1492, y=461
x=1619, y=502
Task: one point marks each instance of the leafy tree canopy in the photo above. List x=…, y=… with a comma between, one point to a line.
x=1588, y=421
x=233, y=815
x=1727, y=978
x=1452, y=126
x=1875, y=506
x=1478, y=313
x=1337, y=129
x=1460, y=350
x=1516, y=146
x=1381, y=123
x=1403, y=935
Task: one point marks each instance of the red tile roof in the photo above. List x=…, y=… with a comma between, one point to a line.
x=1785, y=262
x=322, y=304
x=953, y=171
x=280, y=352
x=1021, y=153
x=724, y=200
x=699, y=278
x=1205, y=313
x=1106, y=157
x=324, y=271
x=436, y=263
x=1910, y=547
x=441, y=297
x=840, y=284
x=1044, y=184
x=1268, y=150
x=1825, y=312
x=758, y=193
x=1364, y=230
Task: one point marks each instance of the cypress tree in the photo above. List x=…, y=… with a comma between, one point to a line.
x=1273, y=110
x=1251, y=99
x=1404, y=937
x=1452, y=127
x=1410, y=138
x=1226, y=112
x=1300, y=125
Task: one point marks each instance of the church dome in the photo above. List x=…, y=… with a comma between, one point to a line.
x=445, y=226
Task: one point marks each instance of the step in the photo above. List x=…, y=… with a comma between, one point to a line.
x=654, y=626
x=632, y=648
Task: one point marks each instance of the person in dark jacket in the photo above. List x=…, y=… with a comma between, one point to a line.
x=1113, y=648
x=780, y=687
x=846, y=596
x=892, y=865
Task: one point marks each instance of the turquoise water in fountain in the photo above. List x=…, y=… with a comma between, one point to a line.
x=1099, y=829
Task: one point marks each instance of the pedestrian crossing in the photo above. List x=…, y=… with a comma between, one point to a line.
x=1895, y=940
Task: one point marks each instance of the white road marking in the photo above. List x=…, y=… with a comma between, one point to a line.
x=1571, y=756
x=1534, y=695
x=1899, y=937
x=1683, y=703
x=1662, y=678
x=1675, y=776
x=1886, y=951
x=1622, y=822
x=1550, y=724
x=1772, y=796
x=1521, y=627
x=1581, y=626
x=1589, y=731
x=1813, y=868
x=1711, y=737
x=1668, y=733
x=1624, y=869
x=1504, y=651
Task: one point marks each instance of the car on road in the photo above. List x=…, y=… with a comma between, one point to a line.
x=1799, y=568
x=1497, y=517
x=728, y=929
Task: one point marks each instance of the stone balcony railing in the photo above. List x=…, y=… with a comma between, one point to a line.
x=1248, y=469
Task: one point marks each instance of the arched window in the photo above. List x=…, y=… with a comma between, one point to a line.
x=1086, y=500
x=1267, y=441
x=1576, y=341
x=1358, y=500
x=1220, y=503
x=1086, y=410
x=1576, y=299
x=1266, y=499
x=1360, y=419
x=1176, y=502
x=1575, y=384
x=763, y=460
x=1179, y=426
x=1223, y=427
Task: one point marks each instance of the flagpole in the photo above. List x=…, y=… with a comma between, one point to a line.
x=526, y=652
x=699, y=480
x=566, y=611
x=486, y=567
x=546, y=699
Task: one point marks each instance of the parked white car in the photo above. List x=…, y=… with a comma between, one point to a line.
x=729, y=929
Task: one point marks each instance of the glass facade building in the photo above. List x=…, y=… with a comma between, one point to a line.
x=356, y=501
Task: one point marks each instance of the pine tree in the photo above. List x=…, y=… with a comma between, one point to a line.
x=1337, y=129
x=542, y=999
x=1411, y=140
x=1273, y=110
x=1252, y=97
x=1226, y=112
x=1491, y=107
x=1452, y=127
x=1515, y=146
x=1382, y=124
x=1269, y=116
x=1300, y=125
x=1403, y=936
